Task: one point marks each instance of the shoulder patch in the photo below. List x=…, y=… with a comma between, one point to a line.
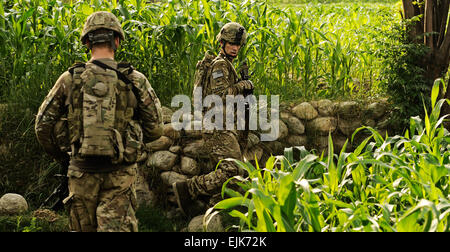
x=217, y=74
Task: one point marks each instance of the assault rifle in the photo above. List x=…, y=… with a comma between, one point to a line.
x=55, y=200
x=245, y=76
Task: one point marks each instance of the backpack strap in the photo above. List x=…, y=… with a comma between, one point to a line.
x=202, y=71
x=125, y=65
x=76, y=65
x=75, y=102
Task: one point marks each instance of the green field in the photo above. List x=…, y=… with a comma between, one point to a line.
x=300, y=50
x=294, y=50
x=387, y=184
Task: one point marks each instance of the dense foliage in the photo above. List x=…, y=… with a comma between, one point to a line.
x=398, y=183
x=297, y=51
x=403, y=74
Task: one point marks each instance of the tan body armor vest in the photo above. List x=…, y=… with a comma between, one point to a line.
x=100, y=114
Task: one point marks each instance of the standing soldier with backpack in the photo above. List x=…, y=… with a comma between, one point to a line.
x=218, y=77
x=98, y=115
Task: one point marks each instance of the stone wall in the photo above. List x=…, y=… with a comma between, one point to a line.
x=309, y=123
x=178, y=155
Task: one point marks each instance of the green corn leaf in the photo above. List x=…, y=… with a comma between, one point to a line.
x=435, y=92
x=314, y=214
x=332, y=170
x=270, y=163
x=2, y=11
x=283, y=224
x=289, y=154
x=341, y=159
x=303, y=166
x=339, y=203
x=232, y=202
x=285, y=187
x=410, y=221
x=415, y=123
x=235, y=213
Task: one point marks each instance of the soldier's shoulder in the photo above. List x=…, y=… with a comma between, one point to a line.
x=136, y=74
x=76, y=65
x=139, y=79
x=76, y=68
x=66, y=74
x=219, y=60
x=128, y=69
x=219, y=63
x=65, y=78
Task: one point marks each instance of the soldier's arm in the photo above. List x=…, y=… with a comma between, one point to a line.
x=50, y=111
x=149, y=108
x=221, y=84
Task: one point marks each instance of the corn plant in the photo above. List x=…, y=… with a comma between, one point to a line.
x=300, y=51
x=291, y=52
x=391, y=184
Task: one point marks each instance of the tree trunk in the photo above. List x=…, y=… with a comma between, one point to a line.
x=432, y=30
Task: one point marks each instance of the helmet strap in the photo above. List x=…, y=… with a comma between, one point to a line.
x=113, y=45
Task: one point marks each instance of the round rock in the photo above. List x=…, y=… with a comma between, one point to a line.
x=12, y=204
x=163, y=160
x=305, y=111
x=189, y=166
x=214, y=225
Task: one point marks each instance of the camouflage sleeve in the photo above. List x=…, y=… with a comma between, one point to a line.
x=149, y=108
x=220, y=81
x=50, y=111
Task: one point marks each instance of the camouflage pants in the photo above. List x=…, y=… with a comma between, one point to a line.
x=103, y=202
x=221, y=144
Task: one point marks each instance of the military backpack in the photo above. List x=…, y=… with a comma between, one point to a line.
x=101, y=111
x=201, y=72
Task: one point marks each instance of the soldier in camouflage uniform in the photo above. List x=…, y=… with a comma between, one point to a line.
x=222, y=80
x=99, y=115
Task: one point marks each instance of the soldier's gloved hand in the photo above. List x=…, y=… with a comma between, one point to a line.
x=245, y=86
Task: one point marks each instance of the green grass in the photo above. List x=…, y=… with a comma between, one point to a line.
x=150, y=219
x=28, y=223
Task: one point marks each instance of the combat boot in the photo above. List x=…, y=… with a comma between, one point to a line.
x=188, y=206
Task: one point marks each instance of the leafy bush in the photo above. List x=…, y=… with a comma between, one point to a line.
x=403, y=74
x=398, y=183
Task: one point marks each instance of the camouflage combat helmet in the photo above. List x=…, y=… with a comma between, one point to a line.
x=233, y=33
x=99, y=20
